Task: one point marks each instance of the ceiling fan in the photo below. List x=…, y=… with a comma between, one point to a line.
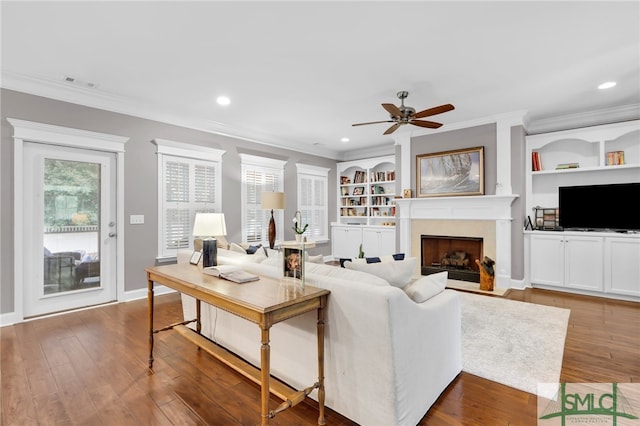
x=406, y=115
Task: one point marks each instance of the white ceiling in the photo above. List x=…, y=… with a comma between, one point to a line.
x=300, y=73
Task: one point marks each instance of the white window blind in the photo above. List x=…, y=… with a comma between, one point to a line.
x=260, y=174
x=188, y=183
x=313, y=199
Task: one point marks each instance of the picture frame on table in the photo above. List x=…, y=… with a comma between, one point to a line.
x=450, y=173
x=293, y=264
x=358, y=190
x=195, y=257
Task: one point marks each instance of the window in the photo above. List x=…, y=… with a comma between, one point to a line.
x=188, y=183
x=312, y=200
x=260, y=174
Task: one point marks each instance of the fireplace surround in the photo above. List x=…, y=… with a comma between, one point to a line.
x=487, y=216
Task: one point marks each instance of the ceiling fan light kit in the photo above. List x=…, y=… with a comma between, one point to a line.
x=407, y=115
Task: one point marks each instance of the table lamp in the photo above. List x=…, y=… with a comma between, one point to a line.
x=271, y=201
x=209, y=225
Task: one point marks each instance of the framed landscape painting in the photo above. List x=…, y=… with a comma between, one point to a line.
x=447, y=173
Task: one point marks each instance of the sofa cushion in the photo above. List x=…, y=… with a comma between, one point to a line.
x=315, y=259
x=424, y=288
x=396, y=273
x=342, y=273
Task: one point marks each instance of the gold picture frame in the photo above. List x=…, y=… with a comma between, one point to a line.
x=450, y=173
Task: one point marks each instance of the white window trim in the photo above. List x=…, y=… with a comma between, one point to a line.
x=166, y=149
x=247, y=160
x=307, y=169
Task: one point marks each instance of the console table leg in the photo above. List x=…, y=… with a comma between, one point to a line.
x=320, y=333
x=265, y=367
x=150, y=310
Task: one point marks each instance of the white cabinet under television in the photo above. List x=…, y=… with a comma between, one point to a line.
x=592, y=262
x=565, y=260
x=601, y=262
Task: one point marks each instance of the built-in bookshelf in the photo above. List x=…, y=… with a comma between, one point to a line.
x=592, y=155
x=366, y=191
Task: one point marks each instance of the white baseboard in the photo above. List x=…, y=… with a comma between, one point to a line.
x=11, y=318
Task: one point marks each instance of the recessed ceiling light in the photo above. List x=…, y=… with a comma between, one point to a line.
x=607, y=85
x=344, y=140
x=223, y=100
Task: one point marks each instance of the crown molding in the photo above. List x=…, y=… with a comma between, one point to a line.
x=584, y=119
x=96, y=98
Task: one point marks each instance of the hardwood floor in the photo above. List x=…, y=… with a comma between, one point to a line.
x=90, y=368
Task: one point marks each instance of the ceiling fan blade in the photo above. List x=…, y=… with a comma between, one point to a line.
x=393, y=110
x=429, y=124
x=373, y=122
x=433, y=111
x=392, y=129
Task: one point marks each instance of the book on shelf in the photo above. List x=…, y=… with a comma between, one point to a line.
x=615, y=158
x=359, y=176
x=383, y=176
x=563, y=166
x=536, y=164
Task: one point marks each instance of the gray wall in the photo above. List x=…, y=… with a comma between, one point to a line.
x=485, y=135
x=140, y=177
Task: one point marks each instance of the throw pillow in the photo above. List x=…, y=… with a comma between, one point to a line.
x=253, y=249
x=237, y=248
x=222, y=242
x=315, y=259
x=424, y=288
x=397, y=273
x=392, y=257
x=271, y=252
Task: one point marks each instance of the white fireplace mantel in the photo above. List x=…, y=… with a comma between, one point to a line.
x=486, y=207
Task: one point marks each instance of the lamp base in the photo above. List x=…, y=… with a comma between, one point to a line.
x=272, y=231
x=209, y=252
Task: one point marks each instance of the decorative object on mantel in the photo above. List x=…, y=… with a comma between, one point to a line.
x=458, y=172
x=487, y=273
x=297, y=227
x=407, y=193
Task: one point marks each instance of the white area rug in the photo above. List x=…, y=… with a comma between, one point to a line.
x=514, y=343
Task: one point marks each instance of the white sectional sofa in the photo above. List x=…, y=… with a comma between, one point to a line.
x=387, y=358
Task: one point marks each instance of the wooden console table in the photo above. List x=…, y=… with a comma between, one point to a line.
x=259, y=302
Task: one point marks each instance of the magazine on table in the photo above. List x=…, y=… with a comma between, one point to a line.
x=239, y=276
x=220, y=269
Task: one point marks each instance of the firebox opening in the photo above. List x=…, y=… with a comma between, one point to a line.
x=457, y=255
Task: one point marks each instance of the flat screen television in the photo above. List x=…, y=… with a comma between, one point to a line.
x=600, y=207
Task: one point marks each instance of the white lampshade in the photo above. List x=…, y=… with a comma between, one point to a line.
x=272, y=200
x=209, y=225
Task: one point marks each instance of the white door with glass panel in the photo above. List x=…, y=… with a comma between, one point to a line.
x=70, y=228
